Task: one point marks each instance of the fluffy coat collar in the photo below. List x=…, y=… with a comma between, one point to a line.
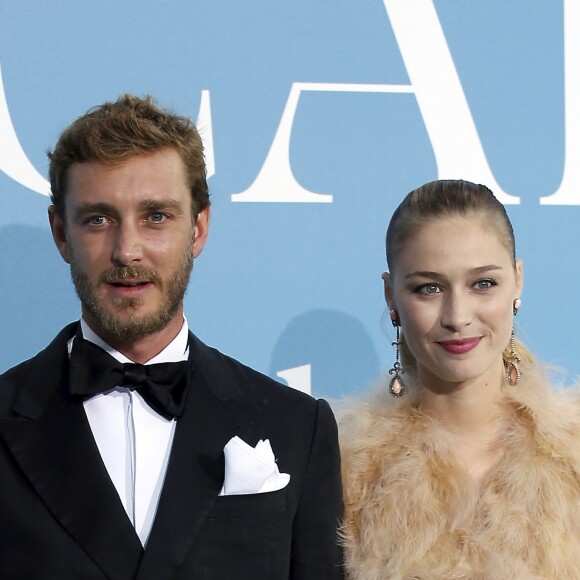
x=411, y=511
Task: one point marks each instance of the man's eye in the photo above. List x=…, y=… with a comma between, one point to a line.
x=157, y=217
x=96, y=220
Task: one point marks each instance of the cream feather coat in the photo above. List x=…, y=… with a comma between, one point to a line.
x=412, y=513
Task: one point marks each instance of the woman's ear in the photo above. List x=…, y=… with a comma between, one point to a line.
x=519, y=278
x=388, y=288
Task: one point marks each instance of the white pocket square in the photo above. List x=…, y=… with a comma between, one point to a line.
x=251, y=470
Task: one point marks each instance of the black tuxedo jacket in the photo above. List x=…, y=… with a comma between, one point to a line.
x=61, y=517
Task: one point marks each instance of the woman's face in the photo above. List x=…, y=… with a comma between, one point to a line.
x=453, y=287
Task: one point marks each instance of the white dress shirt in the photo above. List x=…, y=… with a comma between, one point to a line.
x=133, y=439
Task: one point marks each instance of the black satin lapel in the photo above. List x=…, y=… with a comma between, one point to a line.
x=194, y=479
x=58, y=454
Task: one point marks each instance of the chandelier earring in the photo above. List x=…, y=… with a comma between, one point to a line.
x=397, y=386
x=513, y=373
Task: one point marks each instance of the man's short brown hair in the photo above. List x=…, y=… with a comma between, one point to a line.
x=115, y=131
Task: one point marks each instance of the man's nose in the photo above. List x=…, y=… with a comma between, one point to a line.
x=128, y=247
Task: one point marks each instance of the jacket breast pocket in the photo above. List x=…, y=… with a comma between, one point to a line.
x=250, y=505
x=245, y=536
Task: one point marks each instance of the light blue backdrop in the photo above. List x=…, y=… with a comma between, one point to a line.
x=362, y=101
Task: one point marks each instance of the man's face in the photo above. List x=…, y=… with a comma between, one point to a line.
x=130, y=238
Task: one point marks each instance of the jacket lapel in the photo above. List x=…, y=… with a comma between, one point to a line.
x=51, y=440
x=195, y=473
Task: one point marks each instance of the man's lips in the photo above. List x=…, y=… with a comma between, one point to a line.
x=459, y=346
x=126, y=282
x=129, y=288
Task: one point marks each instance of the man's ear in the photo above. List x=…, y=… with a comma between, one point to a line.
x=201, y=231
x=58, y=229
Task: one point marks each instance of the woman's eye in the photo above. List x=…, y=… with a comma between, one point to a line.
x=428, y=289
x=485, y=284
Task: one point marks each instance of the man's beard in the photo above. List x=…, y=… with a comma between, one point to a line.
x=132, y=327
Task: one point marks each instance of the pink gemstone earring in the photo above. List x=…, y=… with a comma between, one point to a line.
x=513, y=374
x=397, y=386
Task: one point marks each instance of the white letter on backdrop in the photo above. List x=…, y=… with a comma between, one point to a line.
x=297, y=378
x=448, y=120
x=275, y=181
x=205, y=128
x=442, y=103
x=15, y=163
x=13, y=160
x=569, y=191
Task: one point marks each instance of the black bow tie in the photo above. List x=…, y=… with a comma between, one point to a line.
x=164, y=386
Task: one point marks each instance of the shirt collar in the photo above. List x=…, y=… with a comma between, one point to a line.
x=177, y=350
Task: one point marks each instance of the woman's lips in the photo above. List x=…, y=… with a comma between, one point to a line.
x=460, y=346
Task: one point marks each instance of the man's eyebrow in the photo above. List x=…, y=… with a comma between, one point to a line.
x=110, y=209
x=158, y=204
x=96, y=207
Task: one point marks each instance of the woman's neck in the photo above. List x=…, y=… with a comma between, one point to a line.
x=468, y=411
x=469, y=408
x=473, y=414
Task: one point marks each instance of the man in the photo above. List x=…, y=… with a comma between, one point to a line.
x=128, y=448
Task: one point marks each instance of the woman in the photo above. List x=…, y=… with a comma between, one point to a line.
x=472, y=468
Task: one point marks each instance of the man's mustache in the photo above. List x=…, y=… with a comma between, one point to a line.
x=124, y=273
